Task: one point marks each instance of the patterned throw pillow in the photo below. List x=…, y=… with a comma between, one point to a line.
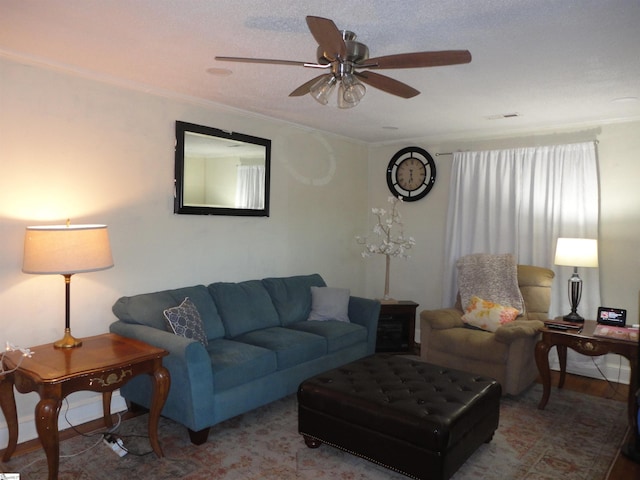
x=488, y=315
x=184, y=320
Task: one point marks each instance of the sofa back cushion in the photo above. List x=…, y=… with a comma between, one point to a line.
x=291, y=296
x=244, y=306
x=147, y=309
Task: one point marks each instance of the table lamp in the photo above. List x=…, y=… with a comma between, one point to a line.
x=65, y=250
x=576, y=252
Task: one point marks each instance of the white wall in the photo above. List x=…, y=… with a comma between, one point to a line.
x=419, y=279
x=76, y=148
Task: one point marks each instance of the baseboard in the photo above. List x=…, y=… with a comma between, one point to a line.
x=80, y=411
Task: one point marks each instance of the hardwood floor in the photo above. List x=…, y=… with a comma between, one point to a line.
x=623, y=468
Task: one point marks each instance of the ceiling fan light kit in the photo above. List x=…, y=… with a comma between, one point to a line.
x=350, y=91
x=340, y=52
x=321, y=90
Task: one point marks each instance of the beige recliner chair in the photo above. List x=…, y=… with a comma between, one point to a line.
x=506, y=355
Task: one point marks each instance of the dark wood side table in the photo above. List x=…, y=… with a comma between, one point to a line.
x=584, y=342
x=396, y=327
x=102, y=364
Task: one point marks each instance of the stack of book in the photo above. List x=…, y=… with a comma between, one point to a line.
x=559, y=324
x=618, y=333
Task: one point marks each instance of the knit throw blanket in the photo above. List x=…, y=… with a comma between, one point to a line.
x=490, y=277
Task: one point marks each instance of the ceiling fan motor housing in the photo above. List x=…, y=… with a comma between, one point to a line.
x=356, y=53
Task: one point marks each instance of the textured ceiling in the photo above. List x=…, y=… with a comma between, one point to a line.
x=553, y=62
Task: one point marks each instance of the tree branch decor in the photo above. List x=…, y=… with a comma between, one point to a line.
x=389, y=243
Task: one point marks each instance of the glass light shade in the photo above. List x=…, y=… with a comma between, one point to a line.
x=321, y=90
x=350, y=92
x=65, y=249
x=577, y=252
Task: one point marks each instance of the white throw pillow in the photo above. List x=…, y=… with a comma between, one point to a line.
x=329, y=303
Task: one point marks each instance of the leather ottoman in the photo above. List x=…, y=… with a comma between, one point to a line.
x=418, y=419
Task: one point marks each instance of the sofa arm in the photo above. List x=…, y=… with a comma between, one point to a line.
x=518, y=329
x=442, y=319
x=365, y=312
x=191, y=393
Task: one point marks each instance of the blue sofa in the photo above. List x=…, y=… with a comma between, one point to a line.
x=260, y=345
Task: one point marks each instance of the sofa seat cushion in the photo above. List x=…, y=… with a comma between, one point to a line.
x=338, y=334
x=147, y=308
x=244, y=306
x=234, y=363
x=290, y=346
x=291, y=296
x=470, y=343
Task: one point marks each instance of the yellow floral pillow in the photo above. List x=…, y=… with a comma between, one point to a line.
x=488, y=315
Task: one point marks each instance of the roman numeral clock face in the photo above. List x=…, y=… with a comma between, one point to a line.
x=411, y=174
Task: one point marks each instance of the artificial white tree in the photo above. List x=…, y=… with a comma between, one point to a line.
x=391, y=241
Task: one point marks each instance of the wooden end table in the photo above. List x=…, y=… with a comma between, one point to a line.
x=584, y=342
x=396, y=327
x=102, y=364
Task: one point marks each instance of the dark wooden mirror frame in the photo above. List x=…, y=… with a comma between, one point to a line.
x=230, y=139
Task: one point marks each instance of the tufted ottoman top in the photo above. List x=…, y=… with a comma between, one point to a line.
x=428, y=406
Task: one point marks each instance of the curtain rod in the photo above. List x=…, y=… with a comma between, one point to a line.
x=596, y=141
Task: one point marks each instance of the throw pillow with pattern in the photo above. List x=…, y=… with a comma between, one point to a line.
x=488, y=315
x=185, y=321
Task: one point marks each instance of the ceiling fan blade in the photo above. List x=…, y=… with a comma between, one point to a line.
x=304, y=88
x=261, y=60
x=420, y=59
x=328, y=37
x=387, y=84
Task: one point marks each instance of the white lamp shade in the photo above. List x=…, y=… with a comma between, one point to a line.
x=66, y=249
x=577, y=252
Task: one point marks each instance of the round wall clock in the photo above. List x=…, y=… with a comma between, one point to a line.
x=411, y=174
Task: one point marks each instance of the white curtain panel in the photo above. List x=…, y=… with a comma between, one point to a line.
x=520, y=201
x=250, y=187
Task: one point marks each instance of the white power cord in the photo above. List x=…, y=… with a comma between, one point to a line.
x=10, y=347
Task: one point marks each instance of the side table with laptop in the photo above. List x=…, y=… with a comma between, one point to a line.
x=584, y=338
x=102, y=364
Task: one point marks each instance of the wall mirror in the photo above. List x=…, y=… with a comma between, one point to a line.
x=221, y=173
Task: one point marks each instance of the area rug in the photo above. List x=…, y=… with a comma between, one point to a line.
x=575, y=437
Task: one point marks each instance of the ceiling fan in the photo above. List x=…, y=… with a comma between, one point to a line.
x=349, y=65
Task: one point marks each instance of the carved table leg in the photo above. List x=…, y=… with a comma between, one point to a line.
x=106, y=408
x=161, y=383
x=631, y=401
x=47, y=411
x=562, y=358
x=542, y=361
x=8, y=405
